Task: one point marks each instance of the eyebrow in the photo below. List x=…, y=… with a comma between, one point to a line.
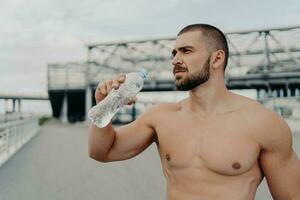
x=174, y=51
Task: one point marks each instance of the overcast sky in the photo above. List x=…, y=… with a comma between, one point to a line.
x=36, y=32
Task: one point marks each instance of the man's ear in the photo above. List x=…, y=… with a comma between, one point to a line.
x=218, y=58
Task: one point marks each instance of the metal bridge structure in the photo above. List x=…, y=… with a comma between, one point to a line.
x=17, y=99
x=266, y=60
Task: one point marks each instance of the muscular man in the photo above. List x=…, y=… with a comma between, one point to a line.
x=214, y=144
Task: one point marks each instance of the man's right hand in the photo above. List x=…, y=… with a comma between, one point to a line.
x=104, y=88
x=112, y=144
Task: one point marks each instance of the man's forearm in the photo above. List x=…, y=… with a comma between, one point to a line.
x=100, y=141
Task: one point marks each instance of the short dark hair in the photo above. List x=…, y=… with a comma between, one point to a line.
x=216, y=37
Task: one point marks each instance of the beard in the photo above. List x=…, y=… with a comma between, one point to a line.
x=195, y=79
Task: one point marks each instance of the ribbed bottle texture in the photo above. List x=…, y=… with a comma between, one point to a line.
x=102, y=113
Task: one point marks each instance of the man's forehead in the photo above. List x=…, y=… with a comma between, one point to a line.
x=190, y=38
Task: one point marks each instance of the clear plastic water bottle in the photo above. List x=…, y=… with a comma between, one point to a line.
x=102, y=113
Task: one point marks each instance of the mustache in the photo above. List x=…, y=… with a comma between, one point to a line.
x=178, y=68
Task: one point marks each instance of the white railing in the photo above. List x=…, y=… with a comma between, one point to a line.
x=13, y=116
x=14, y=135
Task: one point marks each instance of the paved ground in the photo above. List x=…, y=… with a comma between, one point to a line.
x=55, y=166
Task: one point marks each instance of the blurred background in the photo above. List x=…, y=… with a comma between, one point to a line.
x=53, y=54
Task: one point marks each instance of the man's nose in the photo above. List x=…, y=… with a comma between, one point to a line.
x=176, y=60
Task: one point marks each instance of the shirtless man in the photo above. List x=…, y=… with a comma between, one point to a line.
x=214, y=144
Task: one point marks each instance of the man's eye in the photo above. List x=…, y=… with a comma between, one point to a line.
x=186, y=51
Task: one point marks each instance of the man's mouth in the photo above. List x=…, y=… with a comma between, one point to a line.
x=179, y=71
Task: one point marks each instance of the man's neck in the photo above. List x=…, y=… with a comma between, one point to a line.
x=209, y=98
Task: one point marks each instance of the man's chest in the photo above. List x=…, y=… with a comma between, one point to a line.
x=223, y=146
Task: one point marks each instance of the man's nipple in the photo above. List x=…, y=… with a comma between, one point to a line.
x=168, y=157
x=236, y=165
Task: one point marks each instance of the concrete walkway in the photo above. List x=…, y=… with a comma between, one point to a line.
x=55, y=166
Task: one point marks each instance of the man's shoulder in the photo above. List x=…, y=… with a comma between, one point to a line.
x=274, y=130
x=157, y=113
x=161, y=108
x=267, y=124
x=261, y=115
x=251, y=108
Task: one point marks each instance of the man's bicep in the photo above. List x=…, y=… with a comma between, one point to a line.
x=282, y=174
x=279, y=162
x=132, y=139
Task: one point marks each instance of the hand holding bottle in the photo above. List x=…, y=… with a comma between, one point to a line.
x=111, y=95
x=104, y=88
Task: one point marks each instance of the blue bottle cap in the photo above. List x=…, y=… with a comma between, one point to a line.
x=143, y=73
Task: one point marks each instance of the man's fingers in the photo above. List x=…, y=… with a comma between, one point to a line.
x=103, y=90
x=108, y=85
x=100, y=92
x=121, y=78
x=118, y=81
x=105, y=87
x=115, y=84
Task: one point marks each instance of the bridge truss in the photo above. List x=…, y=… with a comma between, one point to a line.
x=262, y=59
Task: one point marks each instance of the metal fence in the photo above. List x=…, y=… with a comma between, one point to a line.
x=15, y=134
